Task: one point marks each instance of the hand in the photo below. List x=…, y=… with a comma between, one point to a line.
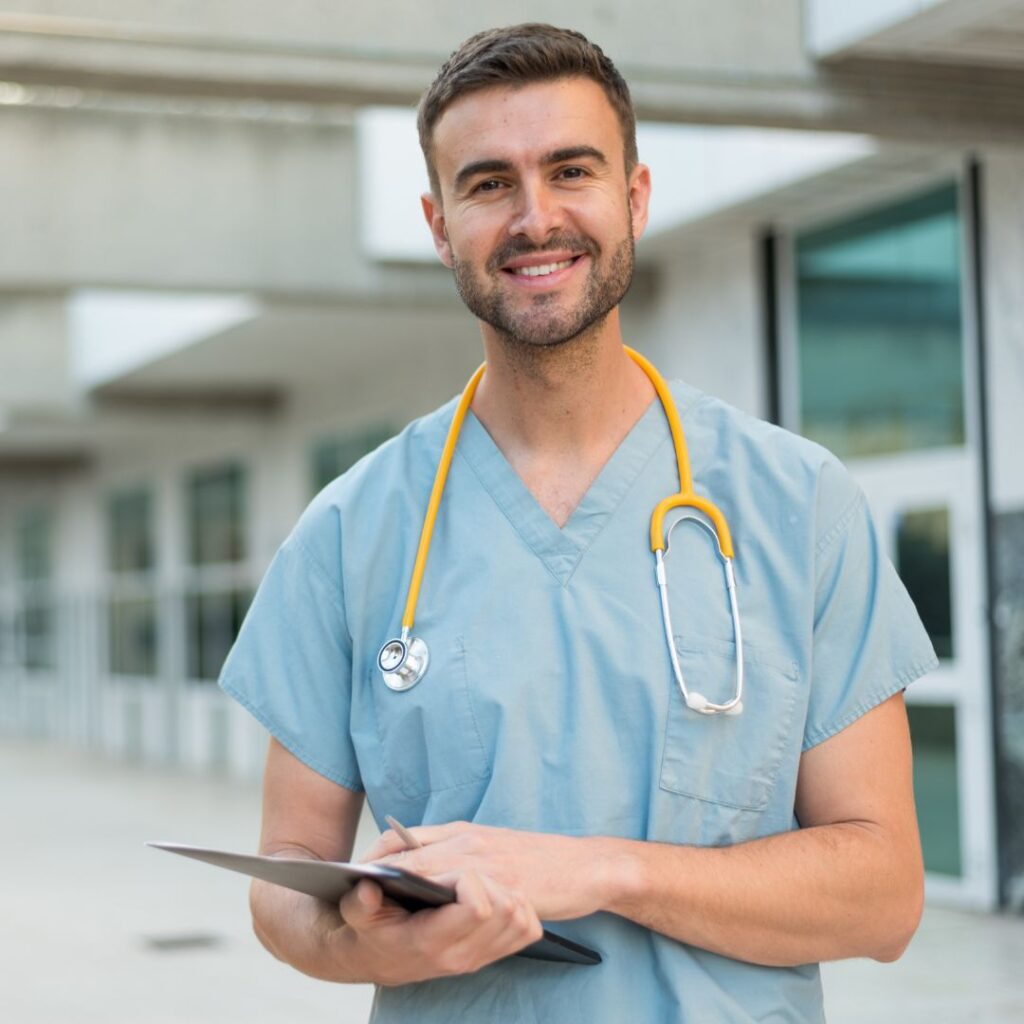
x=487, y=922
x=561, y=876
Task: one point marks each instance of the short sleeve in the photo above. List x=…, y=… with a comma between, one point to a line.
x=291, y=665
x=868, y=640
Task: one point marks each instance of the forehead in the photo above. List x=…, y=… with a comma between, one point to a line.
x=516, y=122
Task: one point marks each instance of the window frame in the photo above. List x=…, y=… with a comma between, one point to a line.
x=136, y=584
x=205, y=579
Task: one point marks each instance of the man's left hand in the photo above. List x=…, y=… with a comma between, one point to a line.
x=561, y=876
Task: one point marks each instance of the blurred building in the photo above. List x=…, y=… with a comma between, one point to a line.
x=215, y=295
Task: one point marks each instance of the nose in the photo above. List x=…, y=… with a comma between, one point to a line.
x=538, y=212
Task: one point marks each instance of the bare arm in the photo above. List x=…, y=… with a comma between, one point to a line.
x=366, y=938
x=848, y=883
x=304, y=815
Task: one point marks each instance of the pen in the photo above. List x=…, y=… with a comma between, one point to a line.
x=411, y=842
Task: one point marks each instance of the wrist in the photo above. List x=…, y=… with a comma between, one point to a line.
x=621, y=874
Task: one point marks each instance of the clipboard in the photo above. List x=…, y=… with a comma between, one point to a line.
x=330, y=880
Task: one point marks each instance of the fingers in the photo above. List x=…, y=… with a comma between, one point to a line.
x=421, y=862
x=521, y=924
x=391, y=843
x=488, y=922
x=427, y=834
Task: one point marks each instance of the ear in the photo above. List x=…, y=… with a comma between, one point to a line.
x=639, y=197
x=434, y=213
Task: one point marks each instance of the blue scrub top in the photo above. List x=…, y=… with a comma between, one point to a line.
x=550, y=702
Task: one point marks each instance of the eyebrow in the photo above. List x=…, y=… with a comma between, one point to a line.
x=556, y=156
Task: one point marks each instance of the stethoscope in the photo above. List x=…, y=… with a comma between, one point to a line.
x=403, y=662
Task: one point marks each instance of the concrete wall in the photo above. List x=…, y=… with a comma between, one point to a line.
x=733, y=34
x=704, y=322
x=107, y=198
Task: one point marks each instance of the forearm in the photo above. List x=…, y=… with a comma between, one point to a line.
x=823, y=893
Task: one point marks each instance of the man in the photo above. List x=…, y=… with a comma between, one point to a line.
x=547, y=761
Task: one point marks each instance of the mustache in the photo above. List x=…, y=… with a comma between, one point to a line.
x=515, y=247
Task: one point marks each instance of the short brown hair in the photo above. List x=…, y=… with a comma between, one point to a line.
x=519, y=55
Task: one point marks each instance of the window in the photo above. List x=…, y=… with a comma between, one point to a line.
x=218, y=595
x=130, y=531
x=35, y=617
x=132, y=608
x=331, y=457
x=922, y=560
x=214, y=618
x=936, y=791
x=216, y=516
x=879, y=326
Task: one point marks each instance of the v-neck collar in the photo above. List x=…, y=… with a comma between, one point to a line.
x=562, y=548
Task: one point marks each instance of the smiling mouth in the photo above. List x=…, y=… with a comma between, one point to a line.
x=543, y=270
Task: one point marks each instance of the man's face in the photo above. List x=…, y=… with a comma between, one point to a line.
x=537, y=217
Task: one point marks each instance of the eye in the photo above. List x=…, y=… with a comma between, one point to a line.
x=488, y=185
x=572, y=173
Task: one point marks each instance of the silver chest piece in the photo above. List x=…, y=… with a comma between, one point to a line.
x=403, y=663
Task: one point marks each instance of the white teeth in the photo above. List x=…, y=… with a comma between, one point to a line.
x=543, y=270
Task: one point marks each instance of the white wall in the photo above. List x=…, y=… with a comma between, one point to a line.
x=33, y=350
x=834, y=25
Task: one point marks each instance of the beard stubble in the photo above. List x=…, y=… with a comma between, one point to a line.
x=533, y=334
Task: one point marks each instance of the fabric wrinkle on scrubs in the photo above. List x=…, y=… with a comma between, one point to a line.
x=550, y=703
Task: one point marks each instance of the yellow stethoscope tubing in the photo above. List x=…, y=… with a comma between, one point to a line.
x=436, y=492
x=686, y=496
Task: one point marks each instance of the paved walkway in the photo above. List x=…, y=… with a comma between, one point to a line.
x=98, y=929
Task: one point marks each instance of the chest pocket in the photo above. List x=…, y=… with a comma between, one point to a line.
x=430, y=739
x=732, y=761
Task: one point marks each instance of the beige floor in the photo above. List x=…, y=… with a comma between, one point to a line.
x=97, y=928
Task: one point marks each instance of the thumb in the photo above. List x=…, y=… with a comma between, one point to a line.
x=360, y=904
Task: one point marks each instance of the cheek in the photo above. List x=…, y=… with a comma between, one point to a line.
x=472, y=247
x=604, y=219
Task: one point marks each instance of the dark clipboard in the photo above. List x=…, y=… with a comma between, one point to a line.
x=330, y=880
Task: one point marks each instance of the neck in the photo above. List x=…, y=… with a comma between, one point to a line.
x=579, y=396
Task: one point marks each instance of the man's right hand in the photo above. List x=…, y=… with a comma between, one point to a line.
x=366, y=938
x=395, y=947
